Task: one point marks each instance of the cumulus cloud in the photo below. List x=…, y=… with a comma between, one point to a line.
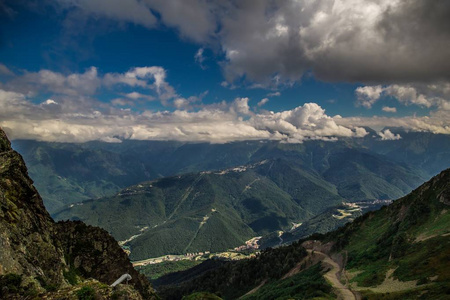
x=303, y=122
x=387, y=135
x=425, y=95
x=368, y=95
x=77, y=119
x=337, y=40
x=277, y=42
x=389, y=109
x=150, y=80
x=73, y=113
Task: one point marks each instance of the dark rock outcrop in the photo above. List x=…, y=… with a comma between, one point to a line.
x=41, y=251
x=26, y=229
x=95, y=254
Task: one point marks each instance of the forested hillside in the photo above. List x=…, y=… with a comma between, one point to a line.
x=217, y=210
x=398, y=252
x=65, y=173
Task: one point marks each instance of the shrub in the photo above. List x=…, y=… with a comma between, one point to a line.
x=11, y=282
x=86, y=293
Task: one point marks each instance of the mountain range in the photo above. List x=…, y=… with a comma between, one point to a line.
x=65, y=173
x=217, y=210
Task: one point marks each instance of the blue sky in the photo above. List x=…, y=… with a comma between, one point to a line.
x=67, y=61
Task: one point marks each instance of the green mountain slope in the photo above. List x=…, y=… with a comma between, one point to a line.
x=410, y=239
x=398, y=252
x=218, y=210
x=66, y=173
x=208, y=211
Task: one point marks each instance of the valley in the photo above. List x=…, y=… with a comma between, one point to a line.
x=219, y=210
x=377, y=256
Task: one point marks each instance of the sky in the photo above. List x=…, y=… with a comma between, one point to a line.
x=220, y=71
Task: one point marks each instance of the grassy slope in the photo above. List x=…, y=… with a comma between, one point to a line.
x=411, y=236
x=155, y=271
x=309, y=284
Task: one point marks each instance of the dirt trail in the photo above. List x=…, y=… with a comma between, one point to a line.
x=332, y=276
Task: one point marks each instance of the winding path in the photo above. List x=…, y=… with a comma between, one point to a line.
x=332, y=276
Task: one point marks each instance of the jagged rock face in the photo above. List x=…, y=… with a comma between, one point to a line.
x=26, y=229
x=33, y=245
x=95, y=254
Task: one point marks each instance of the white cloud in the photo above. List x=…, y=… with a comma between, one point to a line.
x=387, y=135
x=141, y=77
x=137, y=96
x=84, y=119
x=274, y=94
x=199, y=58
x=85, y=83
x=73, y=114
x=437, y=122
x=240, y=106
x=425, y=95
x=151, y=80
x=303, y=122
x=49, y=102
x=389, y=109
x=368, y=95
x=407, y=95
x=262, y=102
x=122, y=102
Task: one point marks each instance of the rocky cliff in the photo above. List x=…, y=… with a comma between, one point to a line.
x=39, y=256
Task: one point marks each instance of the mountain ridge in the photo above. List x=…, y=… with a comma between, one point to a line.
x=65, y=173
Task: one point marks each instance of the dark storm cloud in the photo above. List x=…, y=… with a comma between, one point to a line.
x=410, y=43
x=273, y=41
